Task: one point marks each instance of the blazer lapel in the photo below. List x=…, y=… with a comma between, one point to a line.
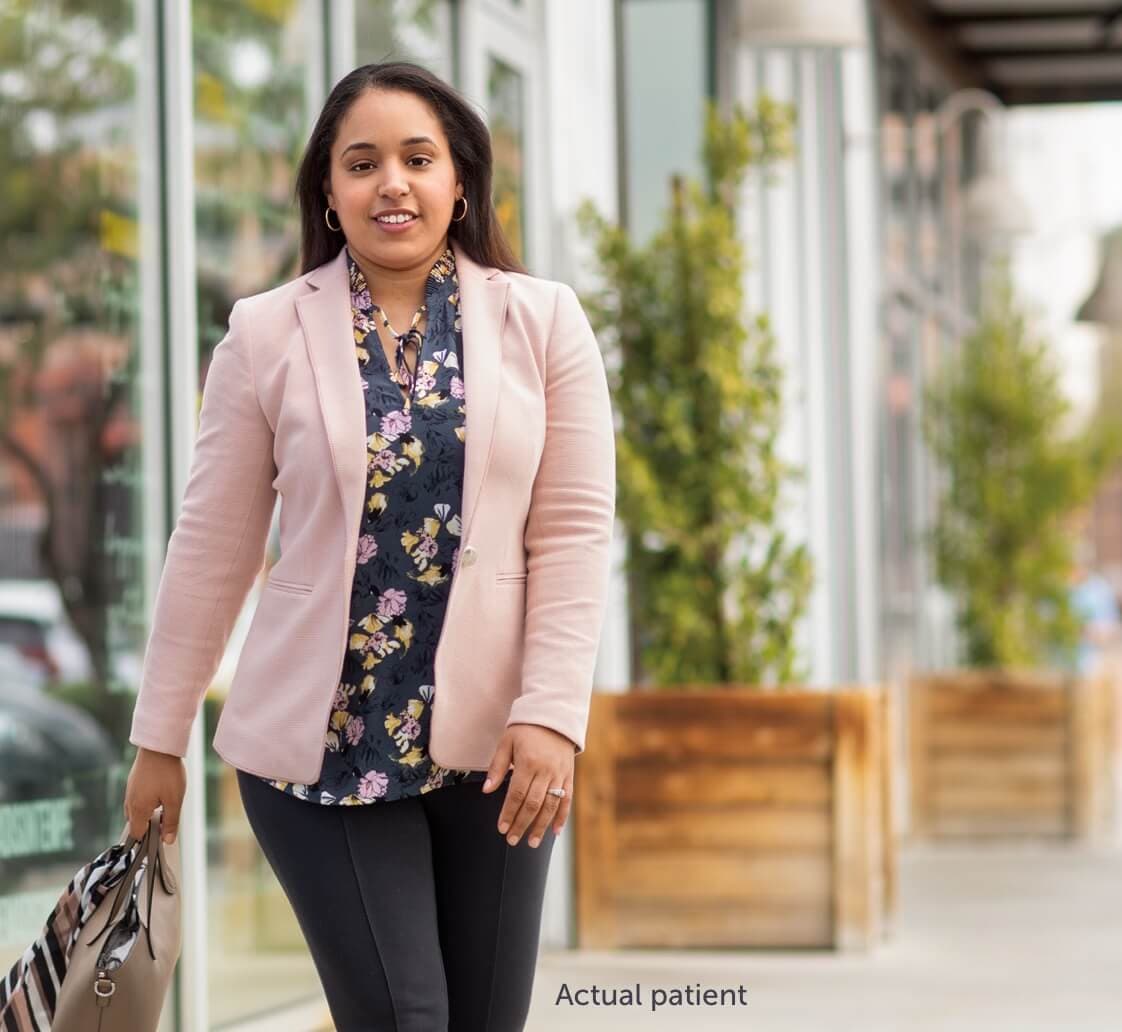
x=325, y=315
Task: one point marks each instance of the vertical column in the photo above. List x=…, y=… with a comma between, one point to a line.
x=811, y=244
x=338, y=21
x=177, y=150
x=862, y=287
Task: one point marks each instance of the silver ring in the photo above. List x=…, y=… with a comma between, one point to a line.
x=559, y=792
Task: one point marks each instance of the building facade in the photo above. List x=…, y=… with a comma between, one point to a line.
x=151, y=151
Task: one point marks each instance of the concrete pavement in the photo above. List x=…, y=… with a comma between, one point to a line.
x=1000, y=938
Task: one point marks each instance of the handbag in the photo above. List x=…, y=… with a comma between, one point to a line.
x=88, y=971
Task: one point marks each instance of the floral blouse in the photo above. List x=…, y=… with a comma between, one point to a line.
x=376, y=740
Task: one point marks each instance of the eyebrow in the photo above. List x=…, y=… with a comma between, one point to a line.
x=408, y=142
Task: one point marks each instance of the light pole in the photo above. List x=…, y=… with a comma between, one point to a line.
x=802, y=23
x=991, y=212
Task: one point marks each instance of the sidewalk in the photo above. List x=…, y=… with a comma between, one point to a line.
x=1000, y=938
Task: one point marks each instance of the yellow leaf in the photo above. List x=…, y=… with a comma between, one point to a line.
x=433, y=575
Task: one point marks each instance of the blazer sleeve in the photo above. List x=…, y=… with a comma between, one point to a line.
x=568, y=532
x=215, y=551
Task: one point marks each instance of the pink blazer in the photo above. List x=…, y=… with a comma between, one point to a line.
x=282, y=413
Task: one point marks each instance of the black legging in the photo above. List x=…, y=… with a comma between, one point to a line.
x=419, y=916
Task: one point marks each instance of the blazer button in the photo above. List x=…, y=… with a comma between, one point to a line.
x=467, y=556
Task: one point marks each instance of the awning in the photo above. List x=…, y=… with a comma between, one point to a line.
x=1024, y=51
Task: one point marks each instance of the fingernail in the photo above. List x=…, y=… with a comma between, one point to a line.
x=487, y=784
x=512, y=839
x=169, y=838
x=504, y=826
x=534, y=842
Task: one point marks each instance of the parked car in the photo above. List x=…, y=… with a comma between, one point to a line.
x=52, y=750
x=33, y=620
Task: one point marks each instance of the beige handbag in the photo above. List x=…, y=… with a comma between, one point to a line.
x=115, y=982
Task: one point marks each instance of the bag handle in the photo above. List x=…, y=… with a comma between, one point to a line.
x=150, y=852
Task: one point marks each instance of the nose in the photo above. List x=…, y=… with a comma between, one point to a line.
x=393, y=185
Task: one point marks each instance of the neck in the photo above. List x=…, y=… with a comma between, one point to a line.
x=404, y=287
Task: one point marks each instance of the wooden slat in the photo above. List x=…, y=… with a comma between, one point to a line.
x=1016, y=707
x=919, y=755
x=993, y=737
x=738, y=736
x=763, y=828
x=888, y=799
x=774, y=707
x=858, y=893
x=980, y=826
x=682, y=876
x=643, y=786
x=977, y=767
x=969, y=681
x=593, y=813
x=1082, y=756
x=999, y=798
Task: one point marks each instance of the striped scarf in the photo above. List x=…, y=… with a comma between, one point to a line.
x=29, y=993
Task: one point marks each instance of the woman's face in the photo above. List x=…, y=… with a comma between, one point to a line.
x=391, y=152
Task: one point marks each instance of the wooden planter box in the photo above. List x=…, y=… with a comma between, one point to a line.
x=995, y=754
x=734, y=817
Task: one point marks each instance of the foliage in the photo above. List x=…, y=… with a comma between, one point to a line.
x=716, y=587
x=994, y=420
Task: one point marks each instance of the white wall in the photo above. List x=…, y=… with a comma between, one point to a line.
x=811, y=238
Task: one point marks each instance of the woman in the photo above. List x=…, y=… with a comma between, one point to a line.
x=437, y=423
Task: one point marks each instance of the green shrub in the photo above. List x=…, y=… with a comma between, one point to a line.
x=697, y=392
x=995, y=419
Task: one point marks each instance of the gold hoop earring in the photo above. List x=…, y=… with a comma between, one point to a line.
x=464, y=216
x=327, y=219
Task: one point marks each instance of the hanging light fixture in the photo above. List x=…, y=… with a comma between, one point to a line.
x=1104, y=304
x=802, y=23
x=992, y=209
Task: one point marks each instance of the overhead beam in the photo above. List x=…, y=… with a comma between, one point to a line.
x=1004, y=16
x=1059, y=93
x=934, y=43
x=1038, y=53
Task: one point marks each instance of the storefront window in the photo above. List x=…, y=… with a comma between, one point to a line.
x=663, y=86
x=72, y=459
x=505, y=99
x=406, y=30
x=84, y=451
x=253, y=112
x=917, y=168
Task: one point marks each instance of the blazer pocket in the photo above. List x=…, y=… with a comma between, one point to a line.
x=513, y=577
x=294, y=587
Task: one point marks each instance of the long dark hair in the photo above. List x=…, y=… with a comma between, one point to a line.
x=479, y=234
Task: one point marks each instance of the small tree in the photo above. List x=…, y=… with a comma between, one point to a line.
x=994, y=419
x=697, y=392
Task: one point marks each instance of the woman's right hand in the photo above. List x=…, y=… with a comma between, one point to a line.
x=155, y=779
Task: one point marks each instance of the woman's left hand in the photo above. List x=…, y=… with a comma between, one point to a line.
x=543, y=759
